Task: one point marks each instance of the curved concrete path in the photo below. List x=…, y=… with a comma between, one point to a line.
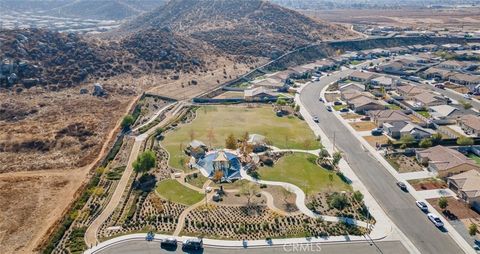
x=300, y=201
x=92, y=230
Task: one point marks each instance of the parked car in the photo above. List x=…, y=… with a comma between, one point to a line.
x=315, y=119
x=377, y=132
x=337, y=103
x=422, y=205
x=329, y=108
x=193, y=244
x=168, y=243
x=320, y=99
x=344, y=110
x=402, y=186
x=365, y=118
x=435, y=220
x=440, y=86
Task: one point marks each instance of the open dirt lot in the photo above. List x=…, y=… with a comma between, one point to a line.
x=458, y=18
x=31, y=202
x=363, y=126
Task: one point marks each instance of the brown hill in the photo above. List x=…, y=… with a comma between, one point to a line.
x=253, y=27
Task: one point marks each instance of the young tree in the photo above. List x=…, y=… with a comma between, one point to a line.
x=127, y=122
x=145, y=161
x=231, y=142
x=217, y=176
x=249, y=191
x=358, y=196
x=464, y=141
x=337, y=156
x=323, y=156
x=425, y=143
x=472, y=229
x=443, y=203
x=407, y=139
x=339, y=201
x=436, y=138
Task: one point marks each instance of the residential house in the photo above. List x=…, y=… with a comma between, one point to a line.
x=470, y=124
x=474, y=45
x=379, y=117
x=429, y=100
x=301, y=71
x=399, y=129
x=259, y=93
x=362, y=76
x=436, y=73
x=451, y=46
x=351, y=86
x=395, y=67
x=269, y=83
x=350, y=94
x=445, y=161
x=467, y=187
x=465, y=79
x=452, y=65
x=386, y=82
x=280, y=76
x=363, y=104
x=324, y=65
x=409, y=91
x=399, y=50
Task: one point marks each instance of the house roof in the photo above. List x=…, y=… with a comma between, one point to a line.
x=325, y=62
x=388, y=115
x=351, y=86
x=471, y=121
x=362, y=101
x=465, y=77
x=443, y=110
x=351, y=94
x=280, y=75
x=362, y=75
x=445, y=158
x=453, y=63
x=468, y=182
x=383, y=80
x=411, y=90
x=271, y=82
x=426, y=98
x=434, y=70
x=196, y=144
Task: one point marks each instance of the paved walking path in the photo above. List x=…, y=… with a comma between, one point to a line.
x=92, y=230
x=157, y=114
x=300, y=200
x=183, y=215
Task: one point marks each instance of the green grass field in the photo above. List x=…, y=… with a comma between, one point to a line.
x=393, y=107
x=214, y=123
x=301, y=170
x=424, y=113
x=474, y=157
x=339, y=107
x=175, y=192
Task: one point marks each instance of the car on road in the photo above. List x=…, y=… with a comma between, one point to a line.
x=320, y=99
x=467, y=96
x=315, y=119
x=402, y=186
x=422, y=205
x=193, y=244
x=169, y=242
x=435, y=220
x=377, y=132
x=329, y=108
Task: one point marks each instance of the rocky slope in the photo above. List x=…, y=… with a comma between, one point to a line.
x=254, y=27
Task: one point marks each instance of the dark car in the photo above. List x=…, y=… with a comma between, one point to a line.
x=193, y=244
x=344, y=110
x=402, y=186
x=365, y=118
x=169, y=243
x=422, y=205
x=337, y=103
x=377, y=132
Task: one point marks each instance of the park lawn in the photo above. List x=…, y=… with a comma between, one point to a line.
x=282, y=132
x=174, y=191
x=301, y=170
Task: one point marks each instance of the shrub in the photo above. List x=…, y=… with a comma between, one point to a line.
x=358, y=196
x=127, y=122
x=339, y=201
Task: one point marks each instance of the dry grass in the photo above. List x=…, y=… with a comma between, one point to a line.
x=374, y=140
x=351, y=116
x=363, y=126
x=230, y=95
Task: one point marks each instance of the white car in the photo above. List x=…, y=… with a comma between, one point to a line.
x=435, y=220
x=467, y=96
x=315, y=119
x=422, y=205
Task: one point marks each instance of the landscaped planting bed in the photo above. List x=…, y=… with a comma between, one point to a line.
x=257, y=222
x=428, y=184
x=404, y=164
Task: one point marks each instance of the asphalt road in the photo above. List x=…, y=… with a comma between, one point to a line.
x=144, y=247
x=399, y=206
